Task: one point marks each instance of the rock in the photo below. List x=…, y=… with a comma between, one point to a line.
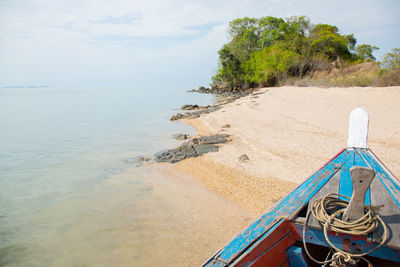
x=194, y=107
x=224, y=90
x=193, y=148
x=143, y=158
x=176, y=117
x=195, y=114
x=203, y=149
x=212, y=139
x=177, y=154
x=189, y=107
x=243, y=158
x=203, y=89
x=226, y=126
x=181, y=136
x=187, y=150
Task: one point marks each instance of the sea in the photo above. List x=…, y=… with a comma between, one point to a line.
x=72, y=192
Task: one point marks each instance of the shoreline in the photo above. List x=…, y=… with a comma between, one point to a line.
x=286, y=133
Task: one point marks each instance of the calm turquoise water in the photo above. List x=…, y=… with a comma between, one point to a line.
x=58, y=149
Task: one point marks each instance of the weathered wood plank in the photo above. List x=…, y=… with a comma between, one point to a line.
x=384, y=205
x=391, y=183
x=361, y=179
x=332, y=186
x=265, y=244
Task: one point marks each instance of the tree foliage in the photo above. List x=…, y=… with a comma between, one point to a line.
x=263, y=51
x=364, y=52
x=325, y=39
x=391, y=61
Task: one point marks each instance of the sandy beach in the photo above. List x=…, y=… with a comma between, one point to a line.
x=287, y=133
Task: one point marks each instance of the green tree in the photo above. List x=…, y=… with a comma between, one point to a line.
x=267, y=50
x=270, y=30
x=364, y=52
x=327, y=40
x=270, y=65
x=351, y=41
x=245, y=37
x=230, y=70
x=299, y=26
x=391, y=61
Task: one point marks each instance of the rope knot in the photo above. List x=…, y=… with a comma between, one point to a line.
x=340, y=259
x=328, y=210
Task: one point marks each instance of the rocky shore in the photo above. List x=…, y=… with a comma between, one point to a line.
x=196, y=146
x=194, y=114
x=194, y=111
x=201, y=145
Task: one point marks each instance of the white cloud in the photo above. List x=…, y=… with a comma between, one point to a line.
x=154, y=18
x=40, y=33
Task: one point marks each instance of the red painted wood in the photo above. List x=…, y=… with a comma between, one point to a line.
x=293, y=229
x=277, y=242
x=276, y=256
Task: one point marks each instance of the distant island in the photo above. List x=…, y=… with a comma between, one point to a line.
x=270, y=51
x=29, y=86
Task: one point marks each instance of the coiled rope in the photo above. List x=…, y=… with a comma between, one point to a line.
x=328, y=210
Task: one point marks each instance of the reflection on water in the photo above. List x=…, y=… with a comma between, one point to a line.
x=70, y=197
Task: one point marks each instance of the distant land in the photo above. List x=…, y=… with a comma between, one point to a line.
x=28, y=86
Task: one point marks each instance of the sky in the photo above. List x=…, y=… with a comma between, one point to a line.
x=155, y=43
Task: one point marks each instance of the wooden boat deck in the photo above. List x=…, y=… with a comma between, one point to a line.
x=266, y=239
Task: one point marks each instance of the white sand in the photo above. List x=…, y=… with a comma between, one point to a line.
x=288, y=133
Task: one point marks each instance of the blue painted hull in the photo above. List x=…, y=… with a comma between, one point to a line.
x=270, y=239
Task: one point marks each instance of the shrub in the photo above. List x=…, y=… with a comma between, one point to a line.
x=389, y=74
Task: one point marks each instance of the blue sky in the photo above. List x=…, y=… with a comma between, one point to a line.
x=154, y=42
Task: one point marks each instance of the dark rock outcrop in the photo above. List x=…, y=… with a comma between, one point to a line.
x=204, y=149
x=177, y=154
x=189, y=107
x=194, y=114
x=193, y=148
x=194, y=107
x=212, y=139
x=177, y=117
x=223, y=97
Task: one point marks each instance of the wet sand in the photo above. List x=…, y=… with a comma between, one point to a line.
x=146, y=216
x=287, y=134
